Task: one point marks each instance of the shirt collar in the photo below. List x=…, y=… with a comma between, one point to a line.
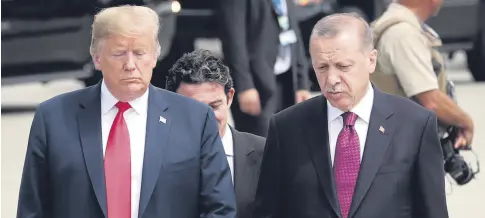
x=227, y=142
x=108, y=101
x=362, y=109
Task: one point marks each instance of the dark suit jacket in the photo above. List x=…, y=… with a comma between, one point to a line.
x=250, y=42
x=401, y=174
x=185, y=171
x=248, y=153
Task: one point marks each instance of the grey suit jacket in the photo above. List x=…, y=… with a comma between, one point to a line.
x=185, y=171
x=248, y=153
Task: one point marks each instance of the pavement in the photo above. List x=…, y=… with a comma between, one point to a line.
x=463, y=201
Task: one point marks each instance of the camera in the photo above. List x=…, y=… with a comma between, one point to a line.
x=455, y=165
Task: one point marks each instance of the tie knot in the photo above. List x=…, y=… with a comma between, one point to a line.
x=349, y=118
x=123, y=106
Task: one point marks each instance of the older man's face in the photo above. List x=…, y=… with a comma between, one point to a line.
x=212, y=94
x=127, y=64
x=342, y=67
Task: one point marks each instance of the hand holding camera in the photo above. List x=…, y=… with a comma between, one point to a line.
x=455, y=164
x=464, y=138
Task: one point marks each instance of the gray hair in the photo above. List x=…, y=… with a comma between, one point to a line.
x=332, y=25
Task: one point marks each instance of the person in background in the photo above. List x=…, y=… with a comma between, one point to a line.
x=262, y=46
x=204, y=77
x=355, y=151
x=124, y=148
x=410, y=65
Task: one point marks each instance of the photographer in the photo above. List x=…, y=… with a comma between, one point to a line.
x=410, y=65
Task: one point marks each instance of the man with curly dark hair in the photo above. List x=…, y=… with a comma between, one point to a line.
x=204, y=77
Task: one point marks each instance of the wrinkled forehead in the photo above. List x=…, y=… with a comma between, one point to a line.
x=333, y=49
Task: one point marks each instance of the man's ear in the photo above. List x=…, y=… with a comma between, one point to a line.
x=372, y=61
x=96, y=58
x=230, y=97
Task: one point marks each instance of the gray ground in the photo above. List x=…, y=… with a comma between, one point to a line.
x=463, y=202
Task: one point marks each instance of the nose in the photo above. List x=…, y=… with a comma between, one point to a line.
x=130, y=62
x=333, y=77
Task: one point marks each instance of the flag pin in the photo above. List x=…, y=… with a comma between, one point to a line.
x=162, y=120
x=381, y=129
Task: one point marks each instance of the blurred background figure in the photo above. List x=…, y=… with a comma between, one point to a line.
x=410, y=65
x=204, y=77
x=262, y=46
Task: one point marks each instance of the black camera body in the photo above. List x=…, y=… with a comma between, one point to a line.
x=455, y=164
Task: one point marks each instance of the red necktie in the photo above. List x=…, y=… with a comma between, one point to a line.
x=347, y=162
x=117, y=167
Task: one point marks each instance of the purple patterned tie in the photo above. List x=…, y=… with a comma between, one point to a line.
x=347, y=162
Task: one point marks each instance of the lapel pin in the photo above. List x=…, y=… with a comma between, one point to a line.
x=381, y=129
x=162, y=120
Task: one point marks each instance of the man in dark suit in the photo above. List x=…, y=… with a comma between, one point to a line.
x=355, y=151
x=204, y=77
x=123, y=148
x=262, y=46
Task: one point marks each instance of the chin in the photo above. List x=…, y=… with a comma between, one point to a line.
x=136, y=86
x=340, y=104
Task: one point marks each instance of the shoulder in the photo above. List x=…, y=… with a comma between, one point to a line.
x=256, y=140
x=182, y=104
x=402, y=34
x=403, y=28
x=248, y=137
x=407, y=110
x=67, y=102
x=300, y=111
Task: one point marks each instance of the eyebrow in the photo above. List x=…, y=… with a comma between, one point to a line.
x=351, y=61
x=216, y=102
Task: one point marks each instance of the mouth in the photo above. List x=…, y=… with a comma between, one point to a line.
x=335, y=94
x=131, y=80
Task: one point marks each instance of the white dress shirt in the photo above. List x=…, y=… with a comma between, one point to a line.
x=135, y=118
x=335, y=121
x=228, y=144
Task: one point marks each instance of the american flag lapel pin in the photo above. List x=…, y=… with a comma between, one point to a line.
x=162, y=120
x=381, y=129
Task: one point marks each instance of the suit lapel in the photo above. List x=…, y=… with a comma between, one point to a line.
x=376, y=145
x=318, y=143
x=156, y=139
x=243, y=160
x=89, y=121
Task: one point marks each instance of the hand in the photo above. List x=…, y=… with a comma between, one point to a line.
x=302, y=95
x=464, y=138
x=249, y=102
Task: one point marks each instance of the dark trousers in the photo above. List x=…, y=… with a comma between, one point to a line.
x=258, y=125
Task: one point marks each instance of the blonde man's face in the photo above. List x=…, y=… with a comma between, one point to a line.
x=127, y=64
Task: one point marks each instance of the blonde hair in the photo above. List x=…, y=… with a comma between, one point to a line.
x=128, y=20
